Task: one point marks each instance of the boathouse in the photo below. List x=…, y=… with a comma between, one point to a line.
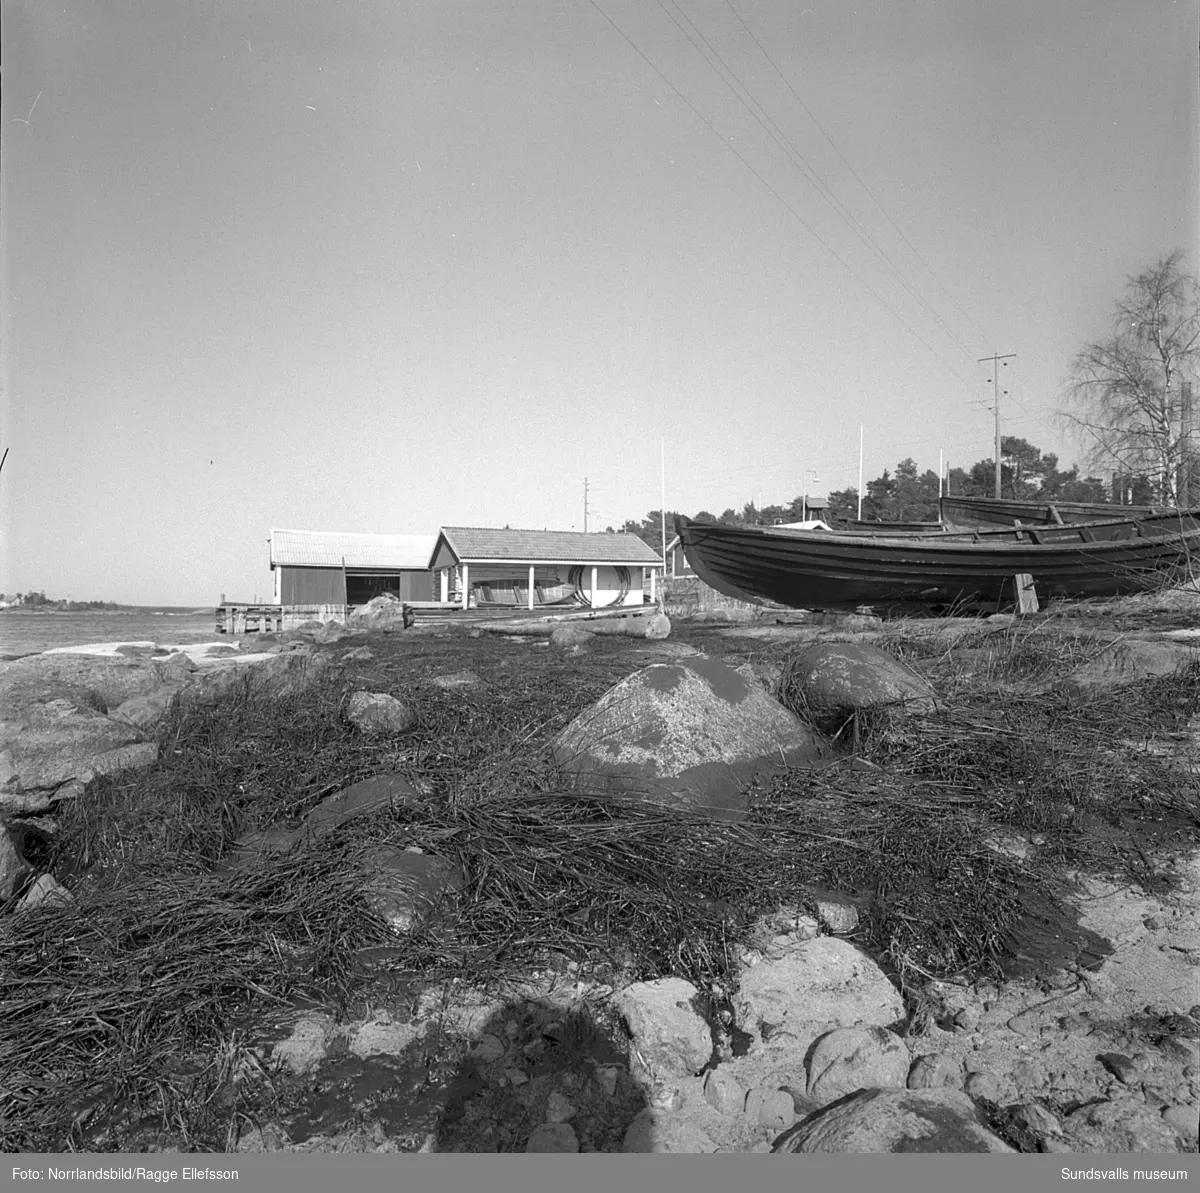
x=319, y=568
x=477, y=567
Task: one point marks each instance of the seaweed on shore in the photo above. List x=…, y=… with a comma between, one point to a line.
x=138, y=994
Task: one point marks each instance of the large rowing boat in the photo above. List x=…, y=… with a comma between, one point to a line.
x=806, y=569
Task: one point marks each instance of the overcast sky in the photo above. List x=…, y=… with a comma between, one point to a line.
x=385, y=266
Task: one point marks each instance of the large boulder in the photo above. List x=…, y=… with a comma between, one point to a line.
x=56, y=741
x=98, y=682
x=831, y=681
x=691, y=734
x=927, y=1120
x=1129, y=661
x=821, y=985
x=1126, y=1124
x=384, y=612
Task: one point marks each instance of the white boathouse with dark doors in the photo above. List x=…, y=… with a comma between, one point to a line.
x=329, y=568
x=478, y=567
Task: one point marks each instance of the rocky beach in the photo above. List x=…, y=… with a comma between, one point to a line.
x=663, y=884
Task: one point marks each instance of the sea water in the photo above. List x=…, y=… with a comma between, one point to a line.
x=25, y=631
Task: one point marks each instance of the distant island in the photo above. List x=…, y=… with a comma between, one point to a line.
x=39, y=602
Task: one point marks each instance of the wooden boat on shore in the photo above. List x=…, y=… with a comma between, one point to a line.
x=963, y=513
x=822, y=569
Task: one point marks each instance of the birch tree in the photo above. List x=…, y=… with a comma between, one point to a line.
x=1123, y=400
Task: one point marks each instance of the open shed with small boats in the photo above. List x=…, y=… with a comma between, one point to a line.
x=478, y=566
x=333, y=568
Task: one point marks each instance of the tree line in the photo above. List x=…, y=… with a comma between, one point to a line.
x=909, y=495
x=39, y=600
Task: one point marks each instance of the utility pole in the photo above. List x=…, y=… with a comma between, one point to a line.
x=585, y=512
x=995, y=379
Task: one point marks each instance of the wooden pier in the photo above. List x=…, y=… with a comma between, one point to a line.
x=274, y=619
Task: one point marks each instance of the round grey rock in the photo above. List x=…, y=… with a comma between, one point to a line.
x=854, y=1058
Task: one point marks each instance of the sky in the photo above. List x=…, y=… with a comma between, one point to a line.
x=387, y=266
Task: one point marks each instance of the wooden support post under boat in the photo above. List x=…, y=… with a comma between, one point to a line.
x=1027, y=599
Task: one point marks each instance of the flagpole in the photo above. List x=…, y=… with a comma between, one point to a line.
x=663, y=517
x=860, y=469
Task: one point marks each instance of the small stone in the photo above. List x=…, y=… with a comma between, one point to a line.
x=1185, y=1120
x=665, y=1131
x=773, y=1108
x=839, y=918
x=658, y=627
x=1120, y=1066
x=516, y=1076
x=45, y=889
x=723, y=1093
x=965, y=1020
x=558, y=1109
x=934, y=1071
x=983, y=1085
x=379, y=713
x=1181, y=1048
x=606, y=1077
x=1157, y=1095
x=14, y=869
x=1037, y=1120
x=553, y=1137
x=490, y=1048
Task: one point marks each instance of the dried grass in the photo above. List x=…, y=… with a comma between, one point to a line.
x=140, y=993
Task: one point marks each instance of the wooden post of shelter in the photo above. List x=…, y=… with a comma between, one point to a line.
x=531, y=587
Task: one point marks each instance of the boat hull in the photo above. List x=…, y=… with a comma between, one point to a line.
x=816, y=569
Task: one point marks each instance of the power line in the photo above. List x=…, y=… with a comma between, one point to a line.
x=797, y=158
x=795, y=214
x=867, y=189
